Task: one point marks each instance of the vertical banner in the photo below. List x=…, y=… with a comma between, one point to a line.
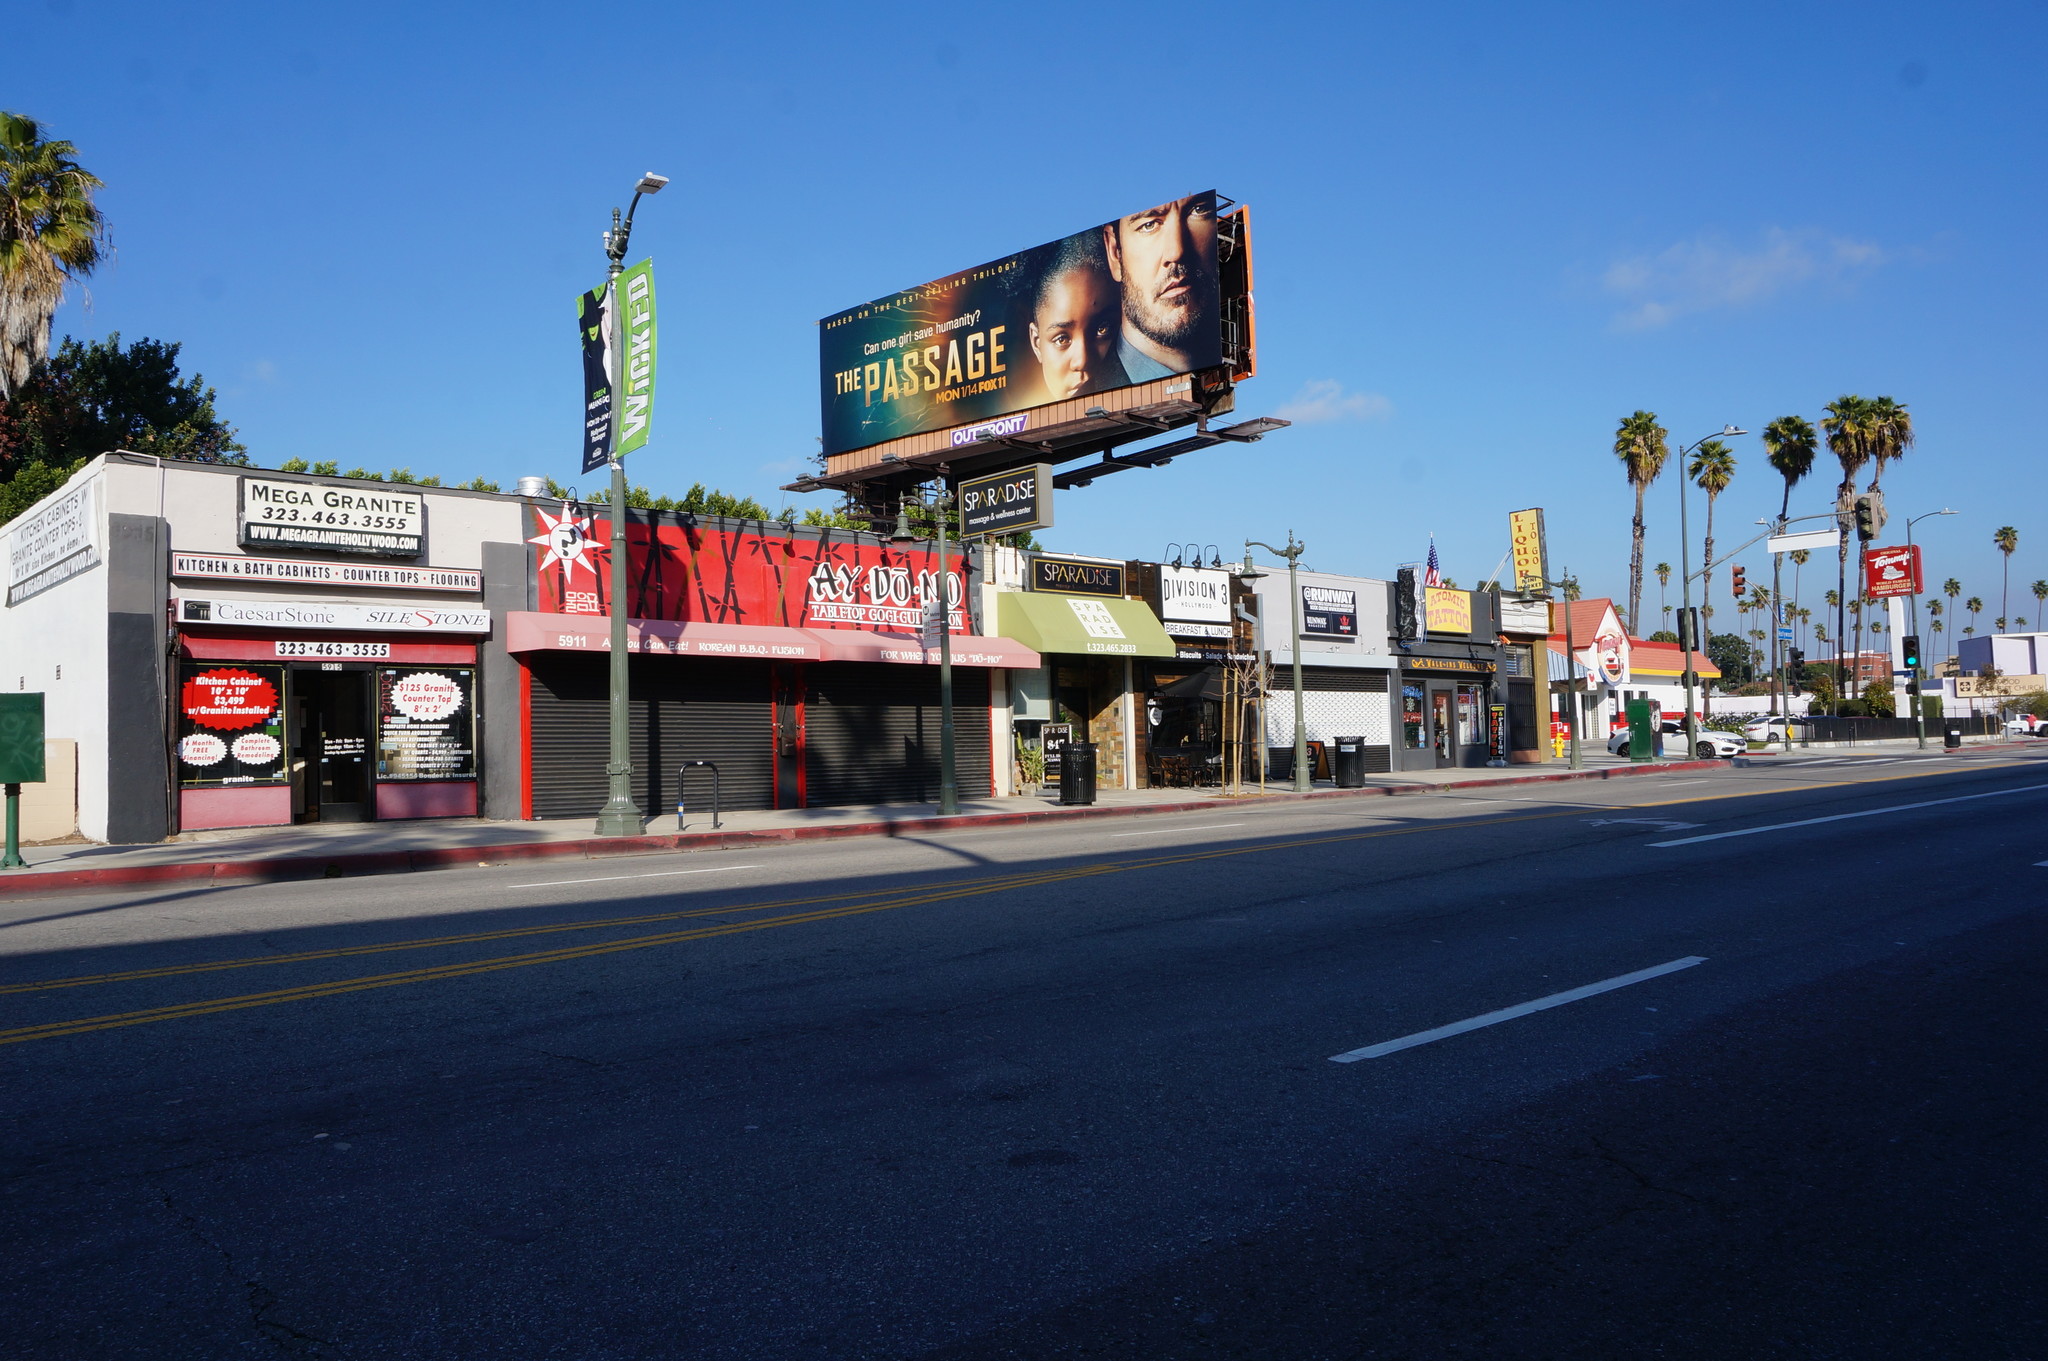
x=594, y=325
x=1532, y=562
x=636, y=389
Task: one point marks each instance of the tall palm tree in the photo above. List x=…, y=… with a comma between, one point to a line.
x=1847, y=424
x=1639, y=442
x=1975, y=605
x=2007, y=540
x=2040, y=590
x=1663, y=571
x=50, y=235
x=1891, y=433
x=1711, y=469
x=1790, y=444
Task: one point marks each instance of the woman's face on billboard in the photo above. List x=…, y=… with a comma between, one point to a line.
x=1074, y=331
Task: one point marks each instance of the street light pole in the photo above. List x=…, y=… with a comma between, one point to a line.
x=949, y=784
x=1293, y=553
x=1919, y=712
x=621, y=816
x=1692, y=732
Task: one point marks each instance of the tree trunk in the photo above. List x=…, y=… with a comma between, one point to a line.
x=1635, y=567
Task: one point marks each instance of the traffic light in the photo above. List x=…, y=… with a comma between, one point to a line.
x=1866, y=518
x=1735, y=582
x=1910, y=646
x=1688, y=631
x=1795, y=669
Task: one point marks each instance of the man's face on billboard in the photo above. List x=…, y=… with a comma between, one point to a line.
x=1073, y=330
x=1165, y=258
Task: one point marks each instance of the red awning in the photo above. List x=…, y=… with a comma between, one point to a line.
x=529, y=631
x=859, y=645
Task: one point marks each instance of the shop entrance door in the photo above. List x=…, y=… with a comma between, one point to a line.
x=1443, y=734
x=789, y=736
x=331, y=718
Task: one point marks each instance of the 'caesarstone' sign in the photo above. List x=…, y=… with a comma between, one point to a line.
x=370, y=518
x=334, y=615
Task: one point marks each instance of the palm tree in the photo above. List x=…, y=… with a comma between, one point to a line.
x=1712, y=468
x=1639, y=444
x=1975, y=605
x=2007, y=540
x=1790, y=444
x=1663, y=571
x=1847, y=424
x=50, y=235
x=2040, y=590
x=1891, y=433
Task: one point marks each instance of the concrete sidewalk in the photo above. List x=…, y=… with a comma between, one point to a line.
x=264, y=854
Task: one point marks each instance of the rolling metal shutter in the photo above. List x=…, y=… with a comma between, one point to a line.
x=683, y=709
x=871, y=733
x=1335, y=702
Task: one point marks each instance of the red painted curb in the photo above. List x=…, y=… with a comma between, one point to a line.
x=285, y=869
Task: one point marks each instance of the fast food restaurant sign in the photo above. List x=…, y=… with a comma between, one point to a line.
x=1891, y=571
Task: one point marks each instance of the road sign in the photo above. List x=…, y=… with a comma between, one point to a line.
x=1811, y=540
x=1785, y=635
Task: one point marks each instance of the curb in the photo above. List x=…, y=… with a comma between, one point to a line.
x=286, y=869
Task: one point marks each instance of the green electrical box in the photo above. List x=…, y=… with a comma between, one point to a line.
x=1642, y=730
x=21, y=739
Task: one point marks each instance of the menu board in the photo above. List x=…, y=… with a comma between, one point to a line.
x=426, y=723
x=231, y=724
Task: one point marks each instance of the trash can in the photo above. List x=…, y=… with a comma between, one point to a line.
x=1952, y=736
x=1077, y=772
x=1350, y=763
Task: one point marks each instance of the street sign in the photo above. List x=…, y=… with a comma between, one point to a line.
x=1785, y=635
x=1007, y=502
x=1811, y=540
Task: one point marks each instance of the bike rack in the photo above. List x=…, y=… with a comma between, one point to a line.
x=683, y=770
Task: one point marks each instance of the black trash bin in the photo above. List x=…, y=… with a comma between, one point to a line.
x=1952, y=736
x=1350, y=763
x=1077, y=772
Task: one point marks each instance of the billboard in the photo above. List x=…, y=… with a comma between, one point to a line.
x=1115, y=305
x=1532, y=561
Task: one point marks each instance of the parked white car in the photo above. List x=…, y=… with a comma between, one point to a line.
x=1712, y=744
x=1775, y=729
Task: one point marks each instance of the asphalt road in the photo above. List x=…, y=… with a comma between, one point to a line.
x=1070, y=1091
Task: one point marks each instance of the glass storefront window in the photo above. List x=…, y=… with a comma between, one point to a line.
x=1414, y=734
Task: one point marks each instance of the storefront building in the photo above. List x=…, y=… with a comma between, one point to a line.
x=1202, y=711
x=789, y=657
x=1525, y=630
x=227, y=647
x=1453, y=712
x=1347, y=666
x=1615, y=667
x=1079, y=615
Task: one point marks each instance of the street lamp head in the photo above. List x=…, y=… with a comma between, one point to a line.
x=1729, y=430
x=650, y=183
x=903, y=533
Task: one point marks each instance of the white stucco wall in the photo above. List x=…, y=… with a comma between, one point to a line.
x=56, y=642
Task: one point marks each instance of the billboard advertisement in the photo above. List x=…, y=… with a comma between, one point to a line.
x=1115, y=305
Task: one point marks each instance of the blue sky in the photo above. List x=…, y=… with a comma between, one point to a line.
x=1482, y=236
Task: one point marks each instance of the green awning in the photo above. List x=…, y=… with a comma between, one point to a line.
x=1076, y=624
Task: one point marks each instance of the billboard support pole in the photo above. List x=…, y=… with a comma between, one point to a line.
x=949, y=782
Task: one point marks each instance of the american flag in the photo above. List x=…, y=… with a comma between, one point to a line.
x=1434, y=576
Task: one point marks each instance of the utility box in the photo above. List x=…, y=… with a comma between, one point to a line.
x=21, y=739
x=1642, y=730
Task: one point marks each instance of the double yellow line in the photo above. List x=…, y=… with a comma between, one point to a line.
x=850, y=905
x=935, y=894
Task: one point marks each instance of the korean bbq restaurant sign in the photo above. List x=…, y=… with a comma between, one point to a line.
x=374, y=519
x=698, y=574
